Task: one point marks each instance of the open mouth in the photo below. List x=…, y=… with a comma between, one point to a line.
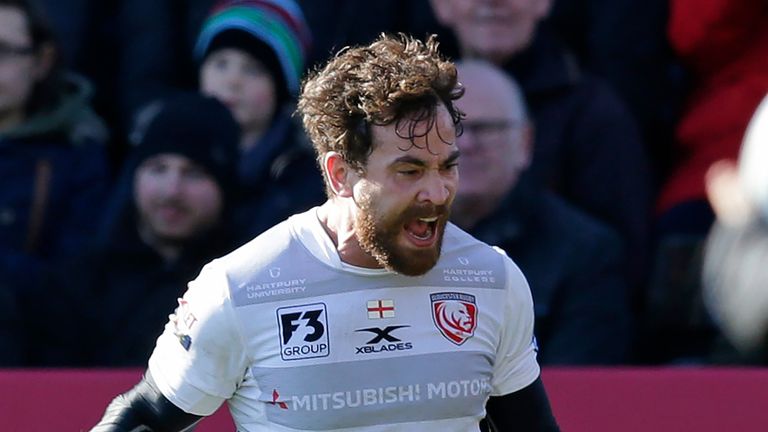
x=422, y=232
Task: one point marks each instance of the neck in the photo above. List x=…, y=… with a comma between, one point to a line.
x=337, y=216
x=250, y=138
x=495, y=58
x=168, y=250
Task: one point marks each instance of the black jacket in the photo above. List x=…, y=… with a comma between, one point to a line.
x=572, y=264
x=111, y=303
x=587, y=145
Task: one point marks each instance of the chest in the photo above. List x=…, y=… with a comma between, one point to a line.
x=406, y=354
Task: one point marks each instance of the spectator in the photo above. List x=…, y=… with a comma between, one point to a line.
x=571, y=261
x=734, y=267
x=52, y=154
x=170, y=216
x=252, y=59
x=724, y=46
x=588, y=148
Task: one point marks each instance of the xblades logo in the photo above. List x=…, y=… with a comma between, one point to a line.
x=383, y=334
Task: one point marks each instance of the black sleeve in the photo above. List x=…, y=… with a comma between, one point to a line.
x=526, y=410
x=144, y=408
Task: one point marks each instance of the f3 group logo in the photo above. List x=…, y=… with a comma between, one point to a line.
x=303, y=331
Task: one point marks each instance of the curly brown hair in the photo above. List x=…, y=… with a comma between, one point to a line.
x=395, y=79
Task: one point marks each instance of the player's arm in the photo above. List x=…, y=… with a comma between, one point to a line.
x=525, y=410
x=518, y=401
x=144, y=408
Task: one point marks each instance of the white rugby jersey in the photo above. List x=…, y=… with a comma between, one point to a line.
x=294, y=340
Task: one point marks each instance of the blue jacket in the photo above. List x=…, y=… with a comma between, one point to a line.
x=55, y=178
x=279, y=177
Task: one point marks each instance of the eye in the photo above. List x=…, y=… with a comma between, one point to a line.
x=408, y=172
x=450, y=167
x=195, y=173
x=154, y=167
x=220, y=63
x=254, y=69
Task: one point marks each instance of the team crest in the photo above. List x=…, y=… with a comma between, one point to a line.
x=455, y=315
x=183, y=319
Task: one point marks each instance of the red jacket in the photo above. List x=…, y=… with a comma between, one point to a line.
x=724, y=45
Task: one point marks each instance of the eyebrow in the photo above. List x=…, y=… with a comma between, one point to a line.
x=452, y=158
x=406, y=159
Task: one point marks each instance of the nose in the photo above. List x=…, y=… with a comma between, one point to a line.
x=232, y=78
x=435, y=189
x=172, y=184
x=233, y=81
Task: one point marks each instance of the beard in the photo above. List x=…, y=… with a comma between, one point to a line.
x=378, y=235
x=187, y=226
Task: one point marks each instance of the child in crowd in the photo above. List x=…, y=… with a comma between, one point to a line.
x=252, y=56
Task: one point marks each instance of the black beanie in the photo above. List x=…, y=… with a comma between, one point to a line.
x=198, y=127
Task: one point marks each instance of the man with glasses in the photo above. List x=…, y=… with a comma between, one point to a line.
x=571, y=260
x=53, y=160
x=588, y=148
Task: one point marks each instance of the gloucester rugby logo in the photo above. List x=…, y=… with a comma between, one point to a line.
x=455, y=315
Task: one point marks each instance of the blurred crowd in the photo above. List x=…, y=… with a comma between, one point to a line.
x=140, y=139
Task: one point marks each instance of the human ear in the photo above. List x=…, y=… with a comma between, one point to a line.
x=527, y=144
x=45, y=56
x=341, y=177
